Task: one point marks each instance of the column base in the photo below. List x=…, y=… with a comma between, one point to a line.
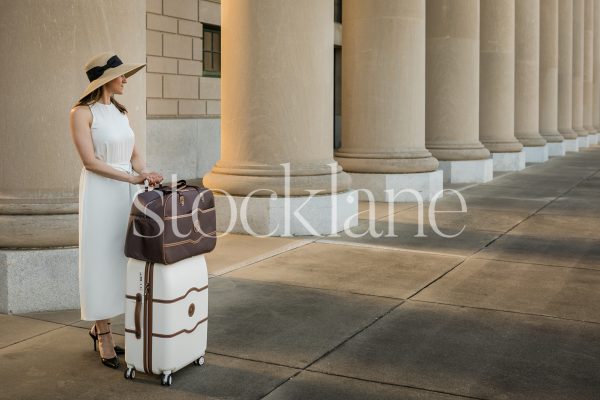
x=470, y=171
x=593, y=139
x=267, y=216
x=509, y=161
x=556, y=149
x=39, y=280
x=23, y=231
x=571, y=145
x=583, y=142
x=426, y=183
x=537, y=154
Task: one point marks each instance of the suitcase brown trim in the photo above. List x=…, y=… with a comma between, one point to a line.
x=207, y=235
x=161, y=335
x=137, y=317
x=165, y=198
x=145, y=337
x=195, y=211
x=194, y=289
x=148, y=292
x=150, y=315
x=162, y=237
x=164, y=336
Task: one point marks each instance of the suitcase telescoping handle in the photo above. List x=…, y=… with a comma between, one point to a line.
x=138, y=316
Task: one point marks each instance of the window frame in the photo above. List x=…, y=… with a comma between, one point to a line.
x=212, y=29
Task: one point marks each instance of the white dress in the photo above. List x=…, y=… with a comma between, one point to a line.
x=104, y=206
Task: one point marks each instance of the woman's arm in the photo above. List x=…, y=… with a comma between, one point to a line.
x=80, y=121
x=139, y=165
x=137, y=162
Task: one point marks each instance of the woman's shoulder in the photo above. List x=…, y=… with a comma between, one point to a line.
x=81, y=108
x=81, y=112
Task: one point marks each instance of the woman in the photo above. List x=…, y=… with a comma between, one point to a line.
x=105, y=142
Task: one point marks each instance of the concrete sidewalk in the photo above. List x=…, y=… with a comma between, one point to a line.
x=509, y=309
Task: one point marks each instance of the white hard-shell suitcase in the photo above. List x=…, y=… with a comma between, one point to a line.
x=166, y=316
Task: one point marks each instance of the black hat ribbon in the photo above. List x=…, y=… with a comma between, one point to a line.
x=96, y=72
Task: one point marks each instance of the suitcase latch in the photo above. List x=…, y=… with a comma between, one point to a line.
x=181, y=200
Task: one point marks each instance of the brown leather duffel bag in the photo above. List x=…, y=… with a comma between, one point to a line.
x=169, y=224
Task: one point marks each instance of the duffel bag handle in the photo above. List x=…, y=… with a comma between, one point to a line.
x=180, y=185
x=168, y=189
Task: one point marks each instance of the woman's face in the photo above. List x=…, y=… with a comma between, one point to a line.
x=116, y=85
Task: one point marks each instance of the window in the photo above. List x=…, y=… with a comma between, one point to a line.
x=337, y=13
x=211, y=50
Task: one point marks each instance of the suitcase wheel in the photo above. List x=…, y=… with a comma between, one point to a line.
x=199, y=361
x=130, y=373
x=166, y=380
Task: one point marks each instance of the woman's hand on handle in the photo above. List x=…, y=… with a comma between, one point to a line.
x=153, y=178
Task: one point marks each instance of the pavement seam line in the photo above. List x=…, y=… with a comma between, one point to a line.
x=32, y=337
x=438, y=278
x=397, y=385
x=534, y=263
x=278, y=283
x=336, y=347
x=557, y=214
x=88, y=329
x=300, y=370
x=252, y=360
x=306, y=368
x=268, y=255
x=531, y=215
x=474, y=255
x=396, y=212
x=504, y=311
x=376, y=247
x=44, y=320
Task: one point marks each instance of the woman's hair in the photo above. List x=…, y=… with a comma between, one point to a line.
x=97, y=95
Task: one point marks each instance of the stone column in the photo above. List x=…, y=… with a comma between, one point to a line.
x=452, y=96
x=588, y=72
x=383, y=117
x=565, y=74
x=596, y=94
x=549, y=77
x=578, y=64
x=527, y=81
x=497, y=85
x=277, y=115
x=45, y=49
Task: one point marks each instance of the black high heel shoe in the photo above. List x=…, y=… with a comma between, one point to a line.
x=109, y=362
x=94, y=336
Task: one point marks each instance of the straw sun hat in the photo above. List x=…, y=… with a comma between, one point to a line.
x=105, y=67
